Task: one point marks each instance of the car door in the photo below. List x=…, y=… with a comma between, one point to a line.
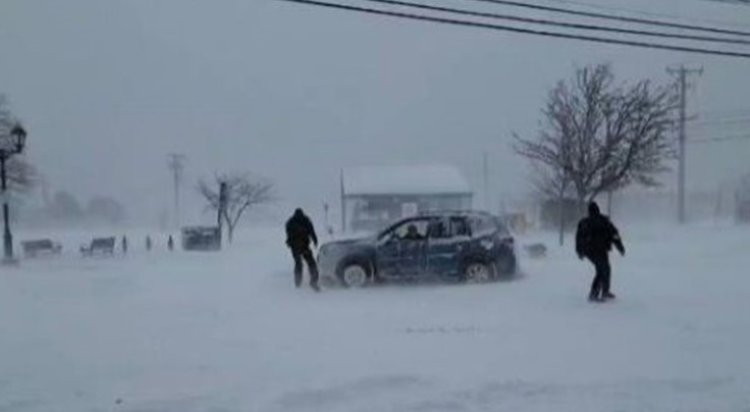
x=448, y=238
x=388, y=254
x=401, y=251
x=413, y=261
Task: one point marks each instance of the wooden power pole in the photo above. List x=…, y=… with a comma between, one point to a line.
x=682, y=74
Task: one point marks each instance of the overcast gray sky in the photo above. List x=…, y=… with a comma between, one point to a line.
x=108, y=88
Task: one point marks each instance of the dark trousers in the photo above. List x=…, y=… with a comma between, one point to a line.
x=601, y=283
x=312, y=267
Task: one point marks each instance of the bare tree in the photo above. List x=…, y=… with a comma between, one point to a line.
x=598, y=137
x=243, y=192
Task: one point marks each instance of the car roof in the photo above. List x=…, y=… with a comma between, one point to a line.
x=439, y=214
x=460, y=213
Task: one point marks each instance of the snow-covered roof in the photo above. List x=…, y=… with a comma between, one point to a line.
x=404, y=180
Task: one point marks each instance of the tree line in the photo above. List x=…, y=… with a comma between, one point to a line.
x=596, y=136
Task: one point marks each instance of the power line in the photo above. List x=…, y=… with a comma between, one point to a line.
x=732, y=2
x=466, y=23
x=723, y=114
x=645, y=13
x=615, y=17
x=721, y=122
x=548, y=22
x=719, y=139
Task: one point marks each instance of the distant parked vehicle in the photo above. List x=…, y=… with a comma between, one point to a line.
x=99, y=246
x=40, y=247
x=460, y=246
x=204, y=238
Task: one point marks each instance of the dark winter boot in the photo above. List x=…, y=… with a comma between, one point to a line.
x=315, y=287
x=608, y=295
x=594, y=297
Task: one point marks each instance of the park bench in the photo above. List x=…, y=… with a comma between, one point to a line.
x=40, y=247
x=101, y=245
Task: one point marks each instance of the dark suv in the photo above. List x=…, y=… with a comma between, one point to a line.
x=460, y=246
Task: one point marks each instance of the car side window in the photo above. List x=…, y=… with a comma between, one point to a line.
x=460, y=227
x=412, y=230
x=439, y=229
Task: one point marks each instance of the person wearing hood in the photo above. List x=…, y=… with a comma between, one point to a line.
x=595, y=237
x=299, y=233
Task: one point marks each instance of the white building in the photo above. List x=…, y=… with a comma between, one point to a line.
x=372, y=197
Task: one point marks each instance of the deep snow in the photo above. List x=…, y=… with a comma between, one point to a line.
x=228, y=332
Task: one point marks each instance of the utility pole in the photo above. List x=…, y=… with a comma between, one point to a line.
x=682, y=73
x=486, y=174
x=343, y=202
x=175, y=163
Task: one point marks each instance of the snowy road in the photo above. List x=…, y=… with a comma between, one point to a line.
x=227, y=332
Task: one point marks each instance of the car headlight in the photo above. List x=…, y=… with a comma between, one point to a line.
x=325, y=250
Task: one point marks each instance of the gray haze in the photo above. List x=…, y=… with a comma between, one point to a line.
x=108, y=88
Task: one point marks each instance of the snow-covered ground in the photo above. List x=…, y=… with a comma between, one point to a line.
x=228, y=332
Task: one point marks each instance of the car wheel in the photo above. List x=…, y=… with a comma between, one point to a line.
x=354, y=275
x=479, y=272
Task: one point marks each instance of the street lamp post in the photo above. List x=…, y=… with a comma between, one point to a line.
x=10, y=144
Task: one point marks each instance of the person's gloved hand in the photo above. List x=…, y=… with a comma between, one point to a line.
x=621, y=249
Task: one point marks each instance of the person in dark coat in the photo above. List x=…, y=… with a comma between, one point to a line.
x=299, y=233
x=594, y=239
x=412, y=233
x=170, y=243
